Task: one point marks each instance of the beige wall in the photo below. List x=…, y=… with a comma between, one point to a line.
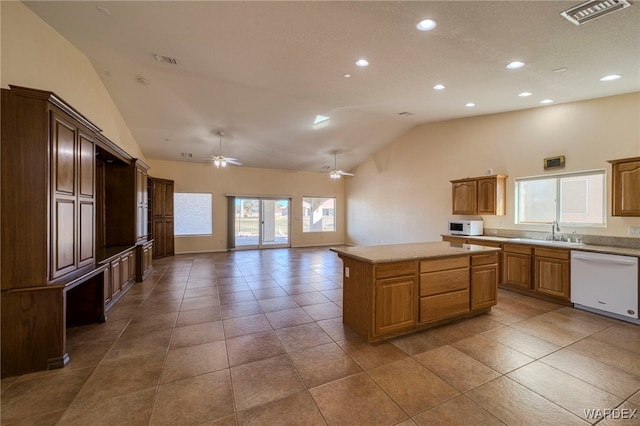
x=190, y=177
x=36, y=56
x=403, y=194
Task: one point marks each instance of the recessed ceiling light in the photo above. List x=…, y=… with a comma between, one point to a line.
x=515, y=65
x=469, y=104
x=546, y=101
x=438, y=87
x=320, y=119
x=525, y=94
x=426, y=25
x=347, y=76
x=611, y=77
x=362, y=63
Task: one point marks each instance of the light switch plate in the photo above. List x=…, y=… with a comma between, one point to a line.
x=346, y=271
x=634, y=230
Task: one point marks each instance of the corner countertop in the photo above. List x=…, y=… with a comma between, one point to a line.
x=411, y=251
x=622, y=251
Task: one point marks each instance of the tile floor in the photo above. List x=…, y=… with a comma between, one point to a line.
x=256, y=337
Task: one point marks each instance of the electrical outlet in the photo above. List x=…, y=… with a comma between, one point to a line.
x=634, y=230
x=346, y=271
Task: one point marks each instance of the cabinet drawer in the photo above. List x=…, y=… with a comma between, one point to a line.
x=552, y=253
x=444, y=281
x=485, y=243
x=396, y=269
x=444, y=305
x=484, y=259
x=517, y=248
x=433, y=265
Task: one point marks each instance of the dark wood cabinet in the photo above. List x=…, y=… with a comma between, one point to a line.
x=74, y=206
x=142, y=206
x=161, y=207
x=48, y=207
x=144, y=256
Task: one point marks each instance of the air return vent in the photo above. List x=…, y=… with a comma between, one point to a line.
x=593, y=9
x=166, y=59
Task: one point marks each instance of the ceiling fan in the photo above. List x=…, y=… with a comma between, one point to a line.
x=220, y=160
x=336, y=173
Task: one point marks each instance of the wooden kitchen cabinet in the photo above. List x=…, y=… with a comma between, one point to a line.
x=551, y=272
x=444, y=288
x=395, y=304
x=383, y=299
x=625, y=182
x=484, y=279
x=516, y=266
x=479, y=195
x=464, y=196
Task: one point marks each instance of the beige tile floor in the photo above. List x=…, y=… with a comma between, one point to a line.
x=256, y=337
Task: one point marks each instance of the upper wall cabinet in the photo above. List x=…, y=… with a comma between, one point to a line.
x=625, y=179
x=479, y=196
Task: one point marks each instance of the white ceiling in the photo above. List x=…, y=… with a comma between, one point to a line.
x=261, y=71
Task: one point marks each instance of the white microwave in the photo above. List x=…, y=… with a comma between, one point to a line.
x=465, y=227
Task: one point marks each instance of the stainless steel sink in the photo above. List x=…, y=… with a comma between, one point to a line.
x=547, y=242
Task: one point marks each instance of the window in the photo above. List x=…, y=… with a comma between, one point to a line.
x=318, y=214
x=571, y=198
x=192, y=213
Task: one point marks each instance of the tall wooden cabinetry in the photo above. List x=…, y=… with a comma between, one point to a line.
x=161, y=207
x=73, y=208
x=625, y=180
x=48, y=227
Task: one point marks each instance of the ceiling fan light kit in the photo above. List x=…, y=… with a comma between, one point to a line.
x=337, y=173
x=220, y=160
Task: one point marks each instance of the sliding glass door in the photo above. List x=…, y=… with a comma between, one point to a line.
x=261, y=222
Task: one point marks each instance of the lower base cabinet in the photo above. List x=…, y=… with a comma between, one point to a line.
x=121, y=274
x=551, y=273
x=484, y=276
x=444, y=288
x=390, y=299
x=144, y=254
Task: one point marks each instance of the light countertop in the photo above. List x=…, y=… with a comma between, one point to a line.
x=411, y=251
x=623, y=251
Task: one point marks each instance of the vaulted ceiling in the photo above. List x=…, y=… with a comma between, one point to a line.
x=263, y=71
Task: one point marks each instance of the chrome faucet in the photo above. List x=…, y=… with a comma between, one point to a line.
x=555, y=228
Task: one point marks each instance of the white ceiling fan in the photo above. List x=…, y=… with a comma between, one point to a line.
x=336, y=173
x=220, y=160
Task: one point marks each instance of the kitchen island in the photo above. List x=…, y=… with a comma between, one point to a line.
x=390, y=290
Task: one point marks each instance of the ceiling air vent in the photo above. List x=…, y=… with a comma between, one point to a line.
x=186, y=154
x=593, y=9
x=166, y=59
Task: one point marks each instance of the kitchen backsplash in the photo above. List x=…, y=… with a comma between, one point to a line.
x=597, y=240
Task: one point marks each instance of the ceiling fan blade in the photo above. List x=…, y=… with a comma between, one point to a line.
x=345, y=173
x=234, y=161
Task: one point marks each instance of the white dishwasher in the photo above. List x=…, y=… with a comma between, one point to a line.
x=606, y=284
